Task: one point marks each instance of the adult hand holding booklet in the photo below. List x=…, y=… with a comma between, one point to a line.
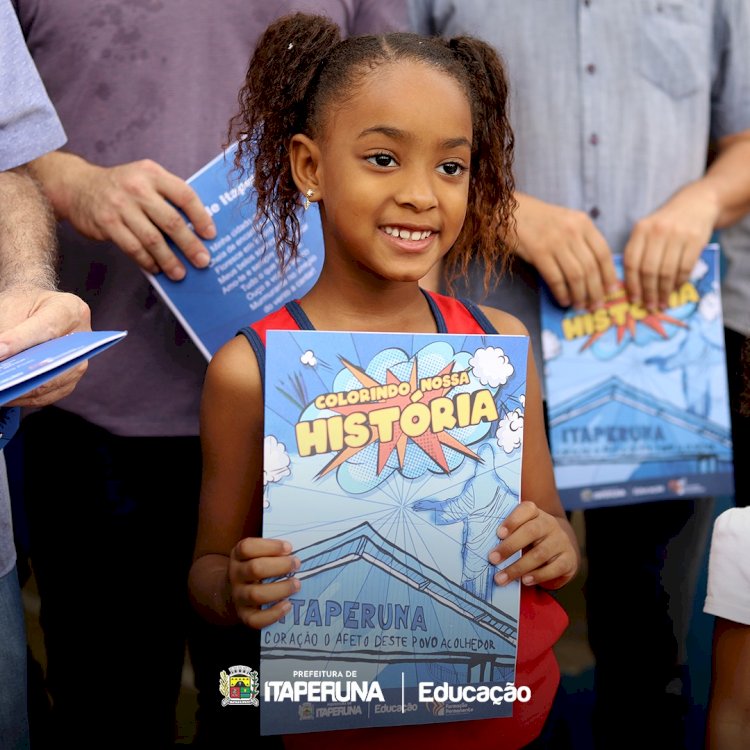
x=242, y=282
x=33, y=367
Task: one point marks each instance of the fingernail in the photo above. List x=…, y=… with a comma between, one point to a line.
x=296, y=563
x=202, y=259
x=501, y=578
x=4, y=349
x=210, y=231
x=528, y=580
x=503, y=532
x=177, y=274
x=286, y=607
x=494, y=558
x=286, y=547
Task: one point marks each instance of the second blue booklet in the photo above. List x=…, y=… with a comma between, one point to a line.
x=390, y=460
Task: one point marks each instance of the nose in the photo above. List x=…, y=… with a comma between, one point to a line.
x=417, y=190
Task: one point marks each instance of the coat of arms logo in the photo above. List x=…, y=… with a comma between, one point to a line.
x=240, y=687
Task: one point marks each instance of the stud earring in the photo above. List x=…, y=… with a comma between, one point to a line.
x=309, y=194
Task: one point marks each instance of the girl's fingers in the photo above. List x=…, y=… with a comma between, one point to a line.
x=258, y=594
x=535, y=557
x=260, y=618
x=260, y=568
x=253, y=547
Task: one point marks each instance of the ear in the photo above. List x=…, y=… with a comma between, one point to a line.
x=304, y=158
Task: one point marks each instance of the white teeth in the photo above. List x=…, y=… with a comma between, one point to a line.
x=405, y=234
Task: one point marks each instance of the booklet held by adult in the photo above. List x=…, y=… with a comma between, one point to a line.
x=242, y=282
x=39, y=364
x=637, y=400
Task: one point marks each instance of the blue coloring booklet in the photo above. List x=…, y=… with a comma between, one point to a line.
x=637, y=402
x=243, y=282
x=390, y=460
x=35, y=366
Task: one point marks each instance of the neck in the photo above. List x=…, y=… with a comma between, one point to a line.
x=366, y=303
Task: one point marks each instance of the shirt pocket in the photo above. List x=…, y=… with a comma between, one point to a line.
x=673, y=44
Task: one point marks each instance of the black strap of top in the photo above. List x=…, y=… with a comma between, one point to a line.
x=478, y=315
x=300, y=318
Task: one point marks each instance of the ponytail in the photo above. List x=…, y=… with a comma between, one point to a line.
x=274, y=105
x=491, y=202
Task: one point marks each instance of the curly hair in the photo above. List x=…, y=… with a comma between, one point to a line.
x=281, y=98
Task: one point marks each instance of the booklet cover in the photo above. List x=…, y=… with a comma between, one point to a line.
x=389, y=462
x=637, y=403
x=242, y=282
x=33, y=367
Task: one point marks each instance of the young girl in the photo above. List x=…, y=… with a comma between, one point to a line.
x=404, y=144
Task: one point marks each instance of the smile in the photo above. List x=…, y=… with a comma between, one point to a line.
x=408, y=234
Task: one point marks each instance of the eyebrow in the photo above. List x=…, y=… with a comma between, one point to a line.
x=400, y=135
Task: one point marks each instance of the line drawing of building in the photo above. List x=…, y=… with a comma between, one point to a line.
x=392, y=577
x=616, y=423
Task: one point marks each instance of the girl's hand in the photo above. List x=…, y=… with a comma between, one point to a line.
x=250, y=561
x=549, y=556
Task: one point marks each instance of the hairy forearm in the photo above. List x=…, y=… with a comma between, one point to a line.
x=27, y=234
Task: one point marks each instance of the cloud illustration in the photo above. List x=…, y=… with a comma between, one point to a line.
x=491, y=366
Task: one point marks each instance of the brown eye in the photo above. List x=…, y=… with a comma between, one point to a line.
x=382, y=160
x=452, y=168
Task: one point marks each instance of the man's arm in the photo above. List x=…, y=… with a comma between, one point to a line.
x=664, y=246
x=31, y=311
x=131, y=205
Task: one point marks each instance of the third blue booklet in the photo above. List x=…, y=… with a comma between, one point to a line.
x=637, y=401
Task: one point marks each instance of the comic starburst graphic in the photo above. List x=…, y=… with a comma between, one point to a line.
x=430, y=442
x=618, y=301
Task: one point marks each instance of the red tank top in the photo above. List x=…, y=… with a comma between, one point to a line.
x=541, y=623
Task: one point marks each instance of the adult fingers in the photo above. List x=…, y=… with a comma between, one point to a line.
x=171, y=222
x=631, y=261
x=179, y=193
x=50, y=314
x=651, y=264
x=53, y=390
x=150, y=240
x=603, y=255
x=549, y=269
x=669, y=270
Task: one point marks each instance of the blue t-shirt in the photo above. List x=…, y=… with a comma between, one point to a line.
x=29, y=128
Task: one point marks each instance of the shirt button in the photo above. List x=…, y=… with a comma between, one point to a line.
x=593, y=139
x=594, y=212
x=591, y=68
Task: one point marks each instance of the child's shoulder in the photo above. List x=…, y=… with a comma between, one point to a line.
x=234, y=369
x=504, y=322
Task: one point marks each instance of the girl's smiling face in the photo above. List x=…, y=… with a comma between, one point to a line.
x=391, y=171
